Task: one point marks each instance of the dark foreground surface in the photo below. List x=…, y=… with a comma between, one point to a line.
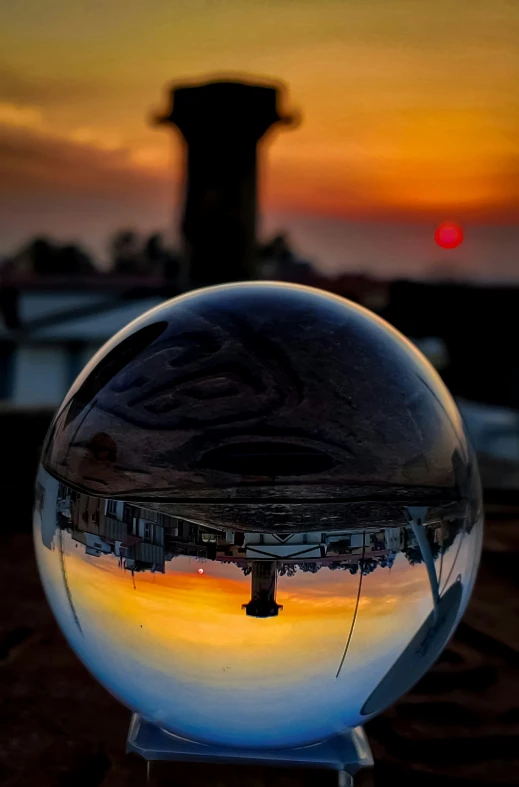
x=458, y=727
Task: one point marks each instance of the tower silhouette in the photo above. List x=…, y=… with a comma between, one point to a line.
x=221, y=123
x=263, y=602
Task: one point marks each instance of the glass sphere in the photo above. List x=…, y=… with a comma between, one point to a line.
x=258, y=518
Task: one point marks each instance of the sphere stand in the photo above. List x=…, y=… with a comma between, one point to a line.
x=345, y=753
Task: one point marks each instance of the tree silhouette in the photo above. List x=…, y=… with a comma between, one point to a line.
x=413, y=554
x=368, y=565
x=125, y=248
x=160, y=260
x=277, y=260
x=288, y=569
x=132, y=255
x=41, y=253
x=313, y=567
x=72, y=260
x=154, y=249
x=43, y=257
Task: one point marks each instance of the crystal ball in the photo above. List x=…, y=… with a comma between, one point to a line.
x=258, y=517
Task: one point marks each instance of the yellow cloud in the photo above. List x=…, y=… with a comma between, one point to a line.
x=20, y=116
x=152, y=158
x=96, y=138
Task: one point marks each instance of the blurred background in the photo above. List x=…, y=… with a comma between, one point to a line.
x=367, y=148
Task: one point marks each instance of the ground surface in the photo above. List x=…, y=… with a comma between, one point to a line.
x=458, y=727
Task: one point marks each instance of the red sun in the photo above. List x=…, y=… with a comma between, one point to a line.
x=448, y=235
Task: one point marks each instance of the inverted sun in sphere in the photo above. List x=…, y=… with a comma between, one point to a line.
x=448, y=235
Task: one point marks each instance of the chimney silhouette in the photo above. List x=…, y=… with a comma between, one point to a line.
x=221, y=123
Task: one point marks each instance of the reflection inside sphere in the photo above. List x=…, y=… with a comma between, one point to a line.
x=258, y=639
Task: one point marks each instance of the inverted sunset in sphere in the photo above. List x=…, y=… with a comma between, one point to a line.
x=448, y=235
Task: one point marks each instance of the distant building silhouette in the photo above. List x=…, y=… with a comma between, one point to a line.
x=221, y=123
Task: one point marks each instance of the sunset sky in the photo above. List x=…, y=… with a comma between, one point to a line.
x=410, y=116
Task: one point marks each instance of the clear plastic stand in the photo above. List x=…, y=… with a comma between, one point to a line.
x=346, y=753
